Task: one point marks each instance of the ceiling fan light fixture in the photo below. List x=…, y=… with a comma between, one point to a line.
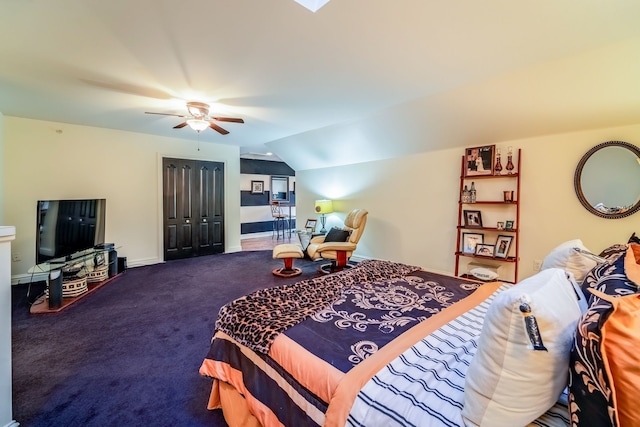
x=198, y=109
x=198, y=124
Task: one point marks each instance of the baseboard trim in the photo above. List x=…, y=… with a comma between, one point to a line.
x=256, y=235
x=358, y=258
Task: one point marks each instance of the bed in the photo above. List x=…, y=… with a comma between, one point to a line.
x=380, y=344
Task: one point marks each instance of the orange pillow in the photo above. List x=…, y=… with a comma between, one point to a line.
x=621, y=358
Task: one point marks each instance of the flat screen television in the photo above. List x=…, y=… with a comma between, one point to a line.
x=66, y=227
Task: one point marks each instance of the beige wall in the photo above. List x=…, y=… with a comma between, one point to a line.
x=46, y=160
x=413, y=201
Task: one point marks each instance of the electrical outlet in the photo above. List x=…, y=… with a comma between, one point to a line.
x=15, y=257
x=537, y=265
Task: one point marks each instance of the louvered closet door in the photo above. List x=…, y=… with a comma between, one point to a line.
x=193, y=208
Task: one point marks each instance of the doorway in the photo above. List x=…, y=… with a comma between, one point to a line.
x=193, y=208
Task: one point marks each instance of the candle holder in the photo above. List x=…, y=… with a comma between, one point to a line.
x=508, y=196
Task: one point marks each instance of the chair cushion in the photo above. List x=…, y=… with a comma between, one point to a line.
x=288, y=250
x=337, y=235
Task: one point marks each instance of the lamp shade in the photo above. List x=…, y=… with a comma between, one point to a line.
x=198, y=124
x=324, y=206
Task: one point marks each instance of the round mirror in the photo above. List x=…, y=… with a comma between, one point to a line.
x=607, y=179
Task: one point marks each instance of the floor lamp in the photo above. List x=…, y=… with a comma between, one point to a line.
x=323, y=207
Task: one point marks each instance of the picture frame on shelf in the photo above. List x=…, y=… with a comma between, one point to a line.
x=508, y=225
x=472, y=219
x=484, y=249
x=479, y=160
x=503, y=244
x=257, y=187
x=500, y=225
x=470, y=241
x=311, y=225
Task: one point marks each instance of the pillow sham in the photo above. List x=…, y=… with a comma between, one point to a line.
x=337, y=235
x=612, y=276
x=520, y=367
x=566, y=257
x=604, y=367
x=606, y=364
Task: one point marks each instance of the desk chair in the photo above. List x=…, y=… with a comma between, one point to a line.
x=279, y=218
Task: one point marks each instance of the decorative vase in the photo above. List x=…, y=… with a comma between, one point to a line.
x=498, y=167
x=510, y=165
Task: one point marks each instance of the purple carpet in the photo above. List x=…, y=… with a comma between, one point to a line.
x=129, y=354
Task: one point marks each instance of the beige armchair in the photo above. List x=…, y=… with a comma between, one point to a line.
x=339, y=252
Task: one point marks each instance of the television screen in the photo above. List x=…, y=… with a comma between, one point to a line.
x=68, y=226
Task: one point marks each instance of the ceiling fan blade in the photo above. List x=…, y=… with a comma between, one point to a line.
x=180, y=126
x=165, y=114
x=218, y=128
x=228, y=119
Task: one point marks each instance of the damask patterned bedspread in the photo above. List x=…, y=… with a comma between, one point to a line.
x=366, y=316
x=341, y=319
x=254, y=320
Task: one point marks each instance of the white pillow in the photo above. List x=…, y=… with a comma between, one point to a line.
x=509, y=383
x=564, y=256
x=483, y=273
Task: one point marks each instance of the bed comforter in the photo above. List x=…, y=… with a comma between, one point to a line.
x=306, y=354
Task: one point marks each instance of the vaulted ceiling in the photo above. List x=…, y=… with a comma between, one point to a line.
x=358, y=80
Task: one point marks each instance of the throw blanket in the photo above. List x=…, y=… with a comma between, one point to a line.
x=255, y=320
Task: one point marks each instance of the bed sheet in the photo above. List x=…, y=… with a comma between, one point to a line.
x=424, y=386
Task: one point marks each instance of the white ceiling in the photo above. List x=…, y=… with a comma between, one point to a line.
x=365, y=79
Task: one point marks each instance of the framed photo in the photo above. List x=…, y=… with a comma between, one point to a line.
x=257, y=187
x=503, y=243
x=485, y=250
x=479, y=160
x=472, y=219
x=500, y=225
x=470, y=241
x=311, y=225
x=508, y=225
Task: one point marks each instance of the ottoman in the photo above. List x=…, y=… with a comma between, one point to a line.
x=287, y=252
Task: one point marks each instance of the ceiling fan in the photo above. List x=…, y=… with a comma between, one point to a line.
x=199, y=118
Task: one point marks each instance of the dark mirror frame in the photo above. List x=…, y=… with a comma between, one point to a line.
x=578, y=177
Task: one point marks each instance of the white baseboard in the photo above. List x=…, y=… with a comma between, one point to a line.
x=256, y=235
x=358, y=258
